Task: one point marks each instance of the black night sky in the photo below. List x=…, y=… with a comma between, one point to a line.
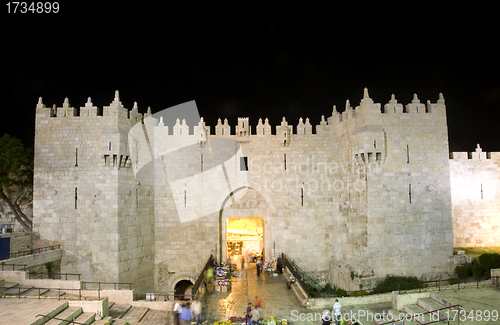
x=265, y=65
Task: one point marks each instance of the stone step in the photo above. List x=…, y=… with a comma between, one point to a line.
x=433, y=306
x=117, y=310
x=86, y=318
x=449, y=302
x=105, y=321
x=157, y=317
x=54, y=293
x=34, y=292
x=135, y=314
x=414, y=310
x=68, y=314
x=16, y=290
x=367, y=318
x=391, y=315
x=53, y=313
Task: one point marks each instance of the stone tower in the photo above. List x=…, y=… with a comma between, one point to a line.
x=85, y=194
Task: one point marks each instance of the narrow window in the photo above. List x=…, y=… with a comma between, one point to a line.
x=76, y=197
x=114, y=160
x=469, y=155
x=106, y=160
x=137, y=198
x=284, y=160
x=409, y=192
x=185, y=198
x=76, y=157
x=109, y=146
x=488, y=155
x=379, y=157
x=301, y=196
x=407, y=154
x=482, y=191
x=374, y=143
x=243, y=163
x=201, y=162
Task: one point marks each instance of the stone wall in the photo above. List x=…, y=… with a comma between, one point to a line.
x=475, y=189
x=130, y=201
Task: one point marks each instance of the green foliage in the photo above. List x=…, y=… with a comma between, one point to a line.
x=463, y=271
x=328, y=288
x=393, y=283
x=16, y=164
x=16, y=177
x=452, y=281
x=341, y=292
x=489, y=261
x=476, y=270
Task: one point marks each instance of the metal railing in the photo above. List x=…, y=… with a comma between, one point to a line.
x=153, y=296
x=298, y=275
x=102, y=285
x=52, y=276
x=62, y=293
x=7, y=267
x=34, y=251
x=201, y=277
x=64, y=321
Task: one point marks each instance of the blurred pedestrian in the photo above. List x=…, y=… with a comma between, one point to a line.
x=196, y=308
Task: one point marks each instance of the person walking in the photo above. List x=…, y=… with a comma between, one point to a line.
x=177, y=311
x=185, y=316
x=249, y=314
x=336, y=311
x=196, y=308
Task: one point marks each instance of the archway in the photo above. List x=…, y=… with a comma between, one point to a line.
x=245, y=206
x=182, y=288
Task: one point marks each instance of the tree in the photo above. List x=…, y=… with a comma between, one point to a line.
x=16, y=177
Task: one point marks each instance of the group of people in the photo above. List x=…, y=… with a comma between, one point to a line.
x=254, y=317
x=337, y=315
x=185, y=312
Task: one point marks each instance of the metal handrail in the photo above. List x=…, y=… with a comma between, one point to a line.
x=13, y=266
x=34, y=251
x=297, y=275
x=84, y=283
x=201, y=277
x=166, y=296
x=65, y=320
x=59, y=290
x=33, y=275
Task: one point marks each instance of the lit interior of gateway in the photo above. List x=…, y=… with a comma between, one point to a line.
x=244, y=237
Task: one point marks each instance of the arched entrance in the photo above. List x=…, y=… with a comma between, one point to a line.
x=244, y=224
x=181, y=289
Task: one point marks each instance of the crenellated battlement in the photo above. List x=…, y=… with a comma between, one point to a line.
x=477, y=155
x=364, y=113
x=368, y=109
x=114, y=110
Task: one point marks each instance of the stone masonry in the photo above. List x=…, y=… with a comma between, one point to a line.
x=365, y=195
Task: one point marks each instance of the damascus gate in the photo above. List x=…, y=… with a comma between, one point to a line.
x=147, y=198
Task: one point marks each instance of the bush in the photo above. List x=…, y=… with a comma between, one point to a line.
x=463, y=271
x=393, y=283
x=489, y=261
x=476, y=270
x=341, y=293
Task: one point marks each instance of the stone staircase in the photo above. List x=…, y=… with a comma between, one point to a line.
x=118, y=315
x=424, y=311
